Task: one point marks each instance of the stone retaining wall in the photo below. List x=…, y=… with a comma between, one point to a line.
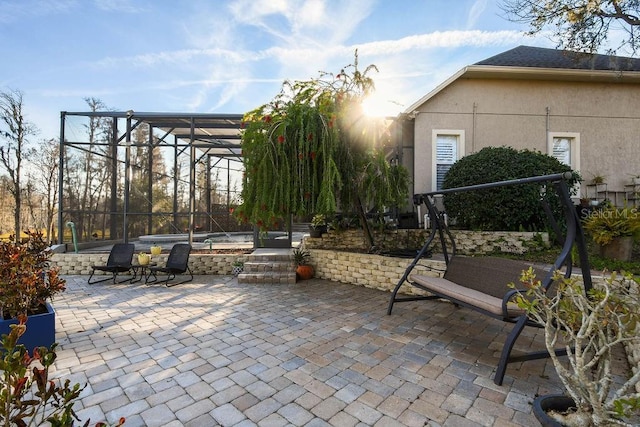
x=467, y=242
x=371, y=271
x=222, y=264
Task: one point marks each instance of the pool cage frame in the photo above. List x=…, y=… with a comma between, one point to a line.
x=209, y=139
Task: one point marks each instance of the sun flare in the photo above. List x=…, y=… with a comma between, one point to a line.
x=375, y=106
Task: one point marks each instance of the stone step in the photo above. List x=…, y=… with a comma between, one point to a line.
x=270, y=257
x=267, y=266
x=277, y=277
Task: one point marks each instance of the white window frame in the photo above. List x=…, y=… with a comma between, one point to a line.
x=574, y=137
x=459, y=134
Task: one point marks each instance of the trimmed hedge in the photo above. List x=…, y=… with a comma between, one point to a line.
x=515, y=208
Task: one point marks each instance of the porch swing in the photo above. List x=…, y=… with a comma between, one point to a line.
x=480, y=283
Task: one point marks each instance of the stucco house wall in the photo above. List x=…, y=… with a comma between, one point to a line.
x=521, y=110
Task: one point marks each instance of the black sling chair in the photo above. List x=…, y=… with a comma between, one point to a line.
x=119, y=262
x=177, y=263
x=572, y=236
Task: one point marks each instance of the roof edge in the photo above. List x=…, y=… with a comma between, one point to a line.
x=542, y=73
x=515, y=73
x=435, y=91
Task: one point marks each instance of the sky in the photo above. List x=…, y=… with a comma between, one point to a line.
x=230, y=56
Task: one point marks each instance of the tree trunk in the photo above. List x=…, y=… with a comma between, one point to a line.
x=16, y=213
x=365, y=225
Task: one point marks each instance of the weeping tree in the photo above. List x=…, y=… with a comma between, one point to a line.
x=311, y=150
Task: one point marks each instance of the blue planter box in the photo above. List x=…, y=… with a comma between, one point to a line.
x=41, y=329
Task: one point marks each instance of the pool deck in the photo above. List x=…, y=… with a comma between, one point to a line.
x=317, y=353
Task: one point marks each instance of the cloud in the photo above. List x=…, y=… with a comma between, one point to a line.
x=291, y=55
x=215, y=77
x=169, y=57
x=302, y=23
x=443, y=39
x=475, y=12
x=122, y=6
x=15, y=10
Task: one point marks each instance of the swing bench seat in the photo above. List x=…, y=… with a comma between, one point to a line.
x=479, y=283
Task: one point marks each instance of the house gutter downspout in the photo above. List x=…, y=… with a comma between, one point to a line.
x=547, y=124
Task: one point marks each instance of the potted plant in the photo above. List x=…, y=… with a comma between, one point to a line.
x=144, y=258
x=27, y=284
x=585, y=202
x=589, y=326
x=614, y=229
x=237, y=267
x=318, y=225
x=301, y=258
x=597, y=179
x=29, y=396
x=156, y=249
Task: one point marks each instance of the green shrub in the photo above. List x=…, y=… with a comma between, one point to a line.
x=513, y=208
x=28, y=395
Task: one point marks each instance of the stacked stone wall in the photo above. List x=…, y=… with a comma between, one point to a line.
x=222, y=264
x=467, y=242
x=371, y=271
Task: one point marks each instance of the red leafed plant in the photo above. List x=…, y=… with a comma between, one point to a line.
x=28, y=397
x=27, y=280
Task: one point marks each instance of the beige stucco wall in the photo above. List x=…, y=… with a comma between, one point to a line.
x=520, y=113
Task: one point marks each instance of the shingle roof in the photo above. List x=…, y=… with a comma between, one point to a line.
x=537, y=57
x=527, y=62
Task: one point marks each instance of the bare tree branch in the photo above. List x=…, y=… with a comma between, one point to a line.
x=580, y=25
x=14, y=133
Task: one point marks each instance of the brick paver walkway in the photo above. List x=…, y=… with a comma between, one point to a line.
x=214, y=352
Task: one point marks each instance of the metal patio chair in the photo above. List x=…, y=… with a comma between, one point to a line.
x=119, y=261
x=177, y=263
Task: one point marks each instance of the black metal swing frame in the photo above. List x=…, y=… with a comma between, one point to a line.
x=440, y=234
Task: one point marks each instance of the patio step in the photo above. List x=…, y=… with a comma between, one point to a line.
x=269, y=266
x=268, y=278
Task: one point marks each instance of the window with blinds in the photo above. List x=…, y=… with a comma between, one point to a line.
x=446, y=155
x=565, y=146
x=561, y=150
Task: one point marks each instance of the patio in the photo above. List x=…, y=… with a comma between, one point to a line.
x=215, y=352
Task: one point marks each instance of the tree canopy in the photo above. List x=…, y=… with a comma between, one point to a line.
x=581, y=25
